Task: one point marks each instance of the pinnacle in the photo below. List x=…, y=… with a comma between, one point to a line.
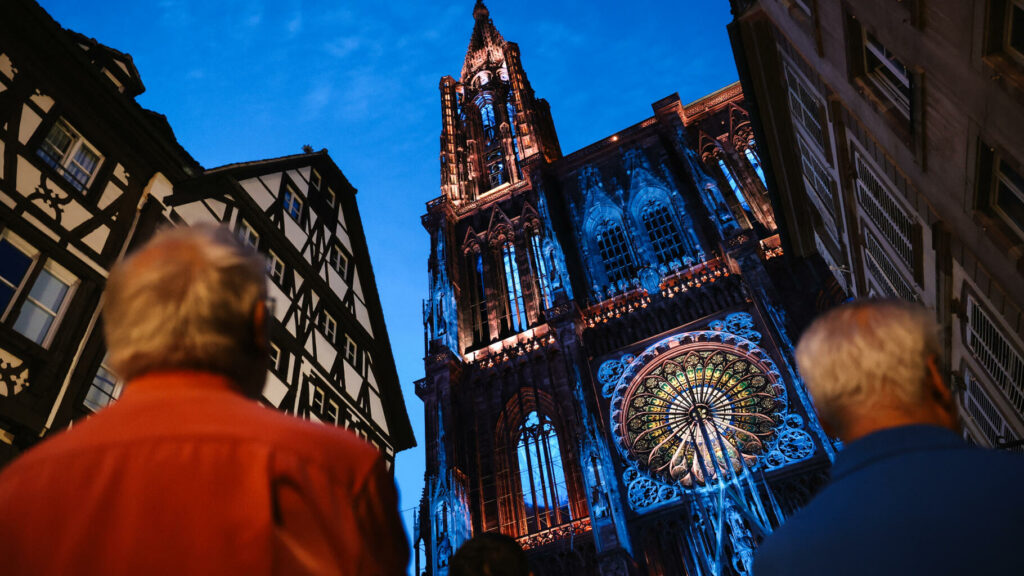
x=480, y=11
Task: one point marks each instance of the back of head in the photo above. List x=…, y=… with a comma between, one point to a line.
x=489, y=554
x=186, y=300
x=868, y=355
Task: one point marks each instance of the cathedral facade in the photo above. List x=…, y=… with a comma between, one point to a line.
x=608, y=371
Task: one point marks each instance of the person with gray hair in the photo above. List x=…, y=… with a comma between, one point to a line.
x=906, y=495
x=187, y=473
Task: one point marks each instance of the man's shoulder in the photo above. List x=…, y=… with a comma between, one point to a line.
x=250, y=421
x=222, y=420
x=329, y=440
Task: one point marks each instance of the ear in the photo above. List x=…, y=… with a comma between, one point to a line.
x=938, y=387
x=942, y=396
x=260, y=328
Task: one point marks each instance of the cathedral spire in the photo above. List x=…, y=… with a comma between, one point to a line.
x=480, y=10
x=485, y=44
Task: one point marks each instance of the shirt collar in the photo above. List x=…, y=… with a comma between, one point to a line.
x=180, y=381
x=892, y=442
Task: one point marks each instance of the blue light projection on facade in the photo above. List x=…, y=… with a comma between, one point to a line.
x=478, y=305
x=440, y=316
x=517, y=309
x=541, y=474
x=755, y=161
x=541, y=270
x=615, y=253
x=663, y=233
x=487, y=118
x=732, y=184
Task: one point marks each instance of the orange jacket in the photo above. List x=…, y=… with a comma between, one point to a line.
x=184, y=475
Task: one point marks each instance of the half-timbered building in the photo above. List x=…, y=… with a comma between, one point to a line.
x=86, y=174
x=330, y=354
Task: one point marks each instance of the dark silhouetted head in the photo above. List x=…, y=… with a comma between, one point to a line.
x=489, y=555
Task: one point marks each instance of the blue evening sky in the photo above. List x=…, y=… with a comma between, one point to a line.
x=251, y=79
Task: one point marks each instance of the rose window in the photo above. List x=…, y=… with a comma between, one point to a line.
x=698, y=406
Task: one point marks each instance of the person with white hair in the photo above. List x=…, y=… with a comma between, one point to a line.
x=187, y=473
x=907, y=495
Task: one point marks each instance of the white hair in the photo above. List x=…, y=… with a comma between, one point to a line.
x=869, y=353
x=185, y=301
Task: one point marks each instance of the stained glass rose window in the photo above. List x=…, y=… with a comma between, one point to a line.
x=700, y=405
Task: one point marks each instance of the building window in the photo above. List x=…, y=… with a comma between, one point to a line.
x=495, y=168
x=755, y=162
x=318, y=400
x=1005, y=34
x=818, y=179
x=1008, y=197
x=983, y=412
x=805, y=107
x=487, y=121
x=615, y=253
x=337, y=259
x=994, y=351
x=820, y=187
x=884, y=80
x=351, y=350
x=541, y=475
x=41, y=311
x=331, y=412
x=16, y=259
x=314, y=180
x=277, y=359
x=331, y=197
x=883, y=273
x=1014, y=42
x=328, y=326
x=879, y=204
x=105, y=388
x=67, y=152
x=541, y=271
x=292, y=202
x=887, y=73
x=275, y=268
x=663, y=233
x=733, y=184
x=248, y=235
x=517, y=310
x=478, y=305
x=1001, y=189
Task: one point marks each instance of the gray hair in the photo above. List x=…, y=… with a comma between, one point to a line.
x=185, y=301
x=867, y=353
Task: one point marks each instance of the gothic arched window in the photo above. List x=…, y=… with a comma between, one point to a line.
x=614, y=249
x=516, y=308
x=541, y=474
x=478, y=295
x=487, y=120
x=495, y=162
x=663, y=233
x=732, y=184
x=541, y=271
x=755, y=161
x=510, y=109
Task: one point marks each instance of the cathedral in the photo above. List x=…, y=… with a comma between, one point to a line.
x=609, y=375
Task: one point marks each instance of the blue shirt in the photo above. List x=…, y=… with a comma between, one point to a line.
x=908, y=500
